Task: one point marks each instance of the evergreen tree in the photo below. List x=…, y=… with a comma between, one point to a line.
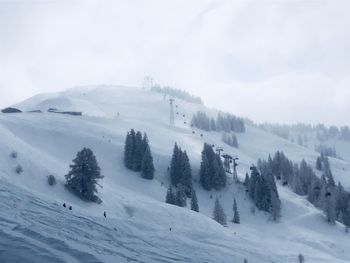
x=301, y=258
x=246, y=181
x=223, y=122
x=329, y=176
x=205, y=176
x=319, y=164
x=230, y=139
x=218, y=174
x=341, y=203
x=314, y=191
x=329, y=207
x=236, y=218
x=129, y=149
x=180, y=170
x=138, y=152
x=346, y=216
x=212, y=173
x=275, y=209
x=170, y=196
x=83, y=176
x=144, y=143
x=194, y=201
x=180, y=198
x=263, y=190
x=201, y=121
x=186, y=175
x=175, y=166
x=259, y=194
x=252, y=181
x=218, y=213
x=147, y=167
x=322, y=192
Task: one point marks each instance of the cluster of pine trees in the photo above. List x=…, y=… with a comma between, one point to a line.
x=322, y=162
x=180, y=170
x=323, y=133
x=230, y=139
x=218, y=213
x=212, y=174
x=177, y=93
x=137, y=154
x=262, y=190
x=220, y=216
x=333, y=132
x=223, y=123
x=83, y=176
x=322, y=192
x=326, y=150
x=181, y=179
x=179, y=198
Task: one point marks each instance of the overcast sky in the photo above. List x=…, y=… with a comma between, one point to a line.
x=269, y=60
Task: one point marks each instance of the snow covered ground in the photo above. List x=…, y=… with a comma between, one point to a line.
x=34, y=227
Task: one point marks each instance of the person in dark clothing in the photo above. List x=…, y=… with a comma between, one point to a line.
x=64, y=205
x=170, y=229
x=70, y=208
x=104, y=214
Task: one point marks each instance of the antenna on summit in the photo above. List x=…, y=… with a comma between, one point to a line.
x=172, y=117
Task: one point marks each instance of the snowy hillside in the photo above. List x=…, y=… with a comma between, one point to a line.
x=34, y=227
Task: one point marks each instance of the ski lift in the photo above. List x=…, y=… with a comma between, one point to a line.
x=219, y=150
x=234, y=162
x=227, y=162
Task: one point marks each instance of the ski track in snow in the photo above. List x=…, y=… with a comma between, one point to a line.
x=49, y=232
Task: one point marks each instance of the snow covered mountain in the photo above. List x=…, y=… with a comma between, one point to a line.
x=34, y=227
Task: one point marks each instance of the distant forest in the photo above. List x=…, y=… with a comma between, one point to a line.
x=323, y=132
x=177, y=93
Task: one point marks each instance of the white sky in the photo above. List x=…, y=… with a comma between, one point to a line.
x=269, y=60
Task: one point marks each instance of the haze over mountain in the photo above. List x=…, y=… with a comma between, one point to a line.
x=174, y=131
x=269, y=60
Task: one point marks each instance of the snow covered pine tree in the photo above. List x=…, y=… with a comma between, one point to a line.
x=170, y=196
x=83, y=176
x=194, y=201
x=236, y=218
x=218, y=213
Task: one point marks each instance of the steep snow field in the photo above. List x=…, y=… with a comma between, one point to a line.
x=34, y=227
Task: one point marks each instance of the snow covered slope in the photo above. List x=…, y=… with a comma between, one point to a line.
x=36, y=228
